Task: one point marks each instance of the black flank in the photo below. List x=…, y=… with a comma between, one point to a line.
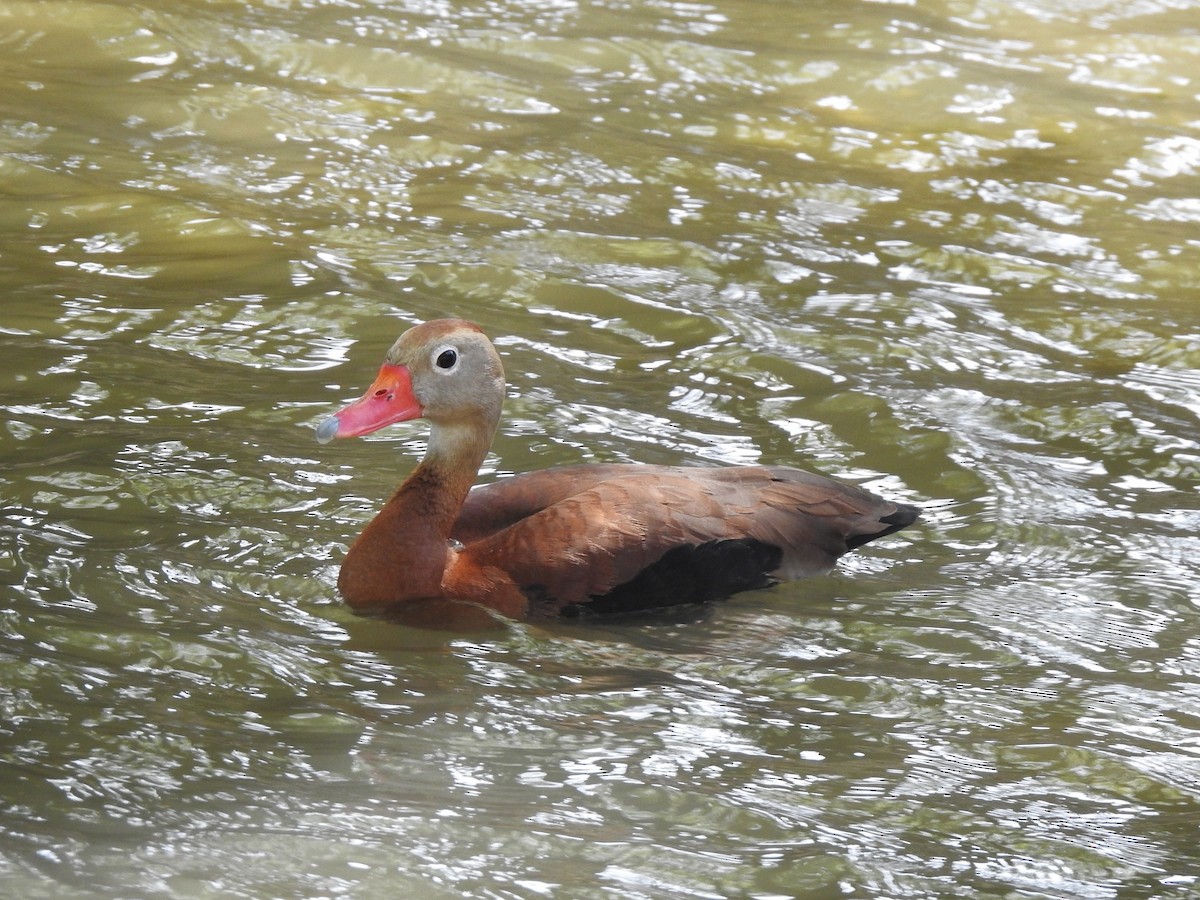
x=693, y=573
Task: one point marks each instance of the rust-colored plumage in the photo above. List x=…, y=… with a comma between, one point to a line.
x=606, y=538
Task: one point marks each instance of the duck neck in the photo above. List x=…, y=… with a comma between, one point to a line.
x=402, y=554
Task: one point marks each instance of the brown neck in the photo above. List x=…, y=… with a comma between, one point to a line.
x=402, y=554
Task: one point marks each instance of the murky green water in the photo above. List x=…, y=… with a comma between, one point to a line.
x=946, y=249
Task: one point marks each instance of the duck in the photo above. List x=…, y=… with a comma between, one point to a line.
x=591, y=538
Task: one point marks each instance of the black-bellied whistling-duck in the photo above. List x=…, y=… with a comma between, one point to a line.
x=605, y=537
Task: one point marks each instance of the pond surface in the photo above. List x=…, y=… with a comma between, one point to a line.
x=949, y=250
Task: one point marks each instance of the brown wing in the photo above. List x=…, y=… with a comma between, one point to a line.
x=490, y=508
x=816, y=519
x=671, y=534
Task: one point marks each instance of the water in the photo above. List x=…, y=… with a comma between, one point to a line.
x=947, y=250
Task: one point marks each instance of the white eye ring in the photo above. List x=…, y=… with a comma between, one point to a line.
x=445, y=359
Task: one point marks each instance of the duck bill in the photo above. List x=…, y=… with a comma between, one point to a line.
x=389, y=399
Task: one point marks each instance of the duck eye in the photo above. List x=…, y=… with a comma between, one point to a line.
x=446, y=358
